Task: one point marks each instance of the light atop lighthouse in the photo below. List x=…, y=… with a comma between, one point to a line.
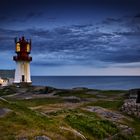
x=23, y=49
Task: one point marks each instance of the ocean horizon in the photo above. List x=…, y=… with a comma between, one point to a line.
x=93, y=82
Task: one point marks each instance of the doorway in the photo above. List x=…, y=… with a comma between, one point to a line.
x=23, y=78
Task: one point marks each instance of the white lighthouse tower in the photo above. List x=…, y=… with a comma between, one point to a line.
x=23, y=49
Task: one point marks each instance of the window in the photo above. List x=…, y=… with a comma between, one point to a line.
x=18, y=47
x=28, y=48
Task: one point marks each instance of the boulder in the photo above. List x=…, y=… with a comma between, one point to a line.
x=42, y=138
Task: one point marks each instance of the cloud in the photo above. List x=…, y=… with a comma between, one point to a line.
x=111, y=20
x=127, y=65
x=93, y=45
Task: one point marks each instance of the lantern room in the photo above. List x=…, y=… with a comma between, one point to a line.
x=23, y=49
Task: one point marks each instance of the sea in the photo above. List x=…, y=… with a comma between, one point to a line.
x=92, y=82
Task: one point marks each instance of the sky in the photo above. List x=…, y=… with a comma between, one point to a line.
x=73, y=37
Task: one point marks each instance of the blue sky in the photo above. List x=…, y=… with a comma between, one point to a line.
x=74, y=37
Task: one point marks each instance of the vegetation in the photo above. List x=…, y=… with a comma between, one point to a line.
x=134, y=123
x=7, y=90
x=109, y=92
x=91, y=126
x=38, y=101
x=21, y=119
x=46, y=116
x=79, y=93
x=115, y=105
x=126, y=137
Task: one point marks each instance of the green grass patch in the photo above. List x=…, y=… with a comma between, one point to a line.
x=63, y=111
x=115, y=105
x=126, y=137
x=134, y=123
x=79, y=93
x=23, y=120
x=112, y=92
x=91, y=126
x=38, y=101
x=25, y=112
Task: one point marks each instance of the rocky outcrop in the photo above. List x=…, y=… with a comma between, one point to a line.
x=131, y=107
x=35, y=138
x=42, y=138
x=106, y=113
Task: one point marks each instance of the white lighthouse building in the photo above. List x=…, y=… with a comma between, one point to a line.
x=23, y=49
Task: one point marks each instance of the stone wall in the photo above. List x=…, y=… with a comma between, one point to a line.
x=131, y=107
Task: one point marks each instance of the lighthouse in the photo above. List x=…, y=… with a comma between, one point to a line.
x=22, y=59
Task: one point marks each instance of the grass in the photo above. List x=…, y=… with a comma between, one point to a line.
x=112, y=91
x=38, y=101
x=79, y=93
x=21, y=109
x=115, y=105
x=7, y=90
x=91, y=126
x=118, y=94
x=62, y=111
x=134, y=123
x=87, y=123
x=23, y=121
x=126, y=137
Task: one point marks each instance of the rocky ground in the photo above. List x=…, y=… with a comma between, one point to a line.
x=45, y=113
x=131, y=107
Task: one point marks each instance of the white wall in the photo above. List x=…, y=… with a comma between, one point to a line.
x=22, y=68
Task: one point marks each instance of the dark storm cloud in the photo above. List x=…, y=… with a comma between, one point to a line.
x=88, y=44
x=132, y=22
x=112, y=20
x=114, y=40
